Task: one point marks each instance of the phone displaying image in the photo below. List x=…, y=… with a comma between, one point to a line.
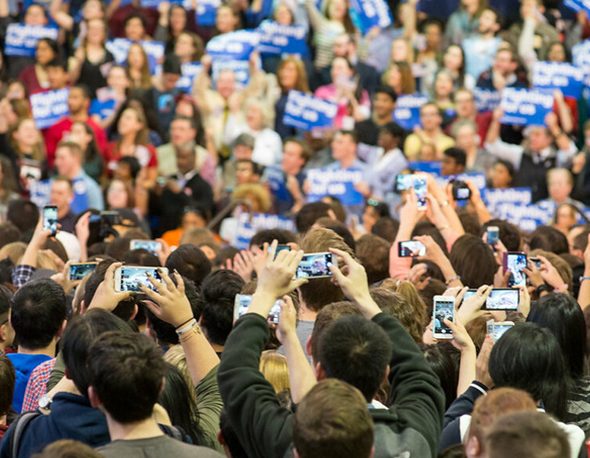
x=515, y=262
x=497, y=330
x=443, y=308
x=128, y=278
x=420, y=190
x=461, y=191
x=81, y=269
x=493, y=235
x=315, y=265
x=503, y=299
x=50, y=218
x=403, y=182
x=410, y=248
x=150, y=245
x=243, y=301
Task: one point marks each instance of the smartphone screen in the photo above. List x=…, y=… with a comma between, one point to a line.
x=315, y=265
x=50, y=218
x=493, y=233
x=242, y=303
x=515, y=263
x=497, y=330
x=420, y=190
x=79, y=271
x=503, y=299
x=403, y=182
x=444, y=308
x=150, y=245
x=411, y=248
x=128, y=278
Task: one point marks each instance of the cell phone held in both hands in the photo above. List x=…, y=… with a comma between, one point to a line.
x=443, y=309
x=515, y=262
x=128, y=278
x=242, y=303
x=500, y=299
x=50, y=219
x=315, y=265
x=410, y=249
x=152, y=246
x=80, y=270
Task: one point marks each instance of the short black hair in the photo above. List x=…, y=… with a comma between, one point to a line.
x=38, y=312
x=309, y=214
x=135, y=15
x=393, y=129
x=141, y=257
x=457, y=154
x=127, y=373
x=8, y=233
x=548, y=238
x=508, y=165
x=282, y=236
x=58, y=63
x=387, y=90
x=85, y=90
x=24, y=214
x=189, y=261
x=172, y=65
x=218, y=293
x=356, y=351
x=81, y=332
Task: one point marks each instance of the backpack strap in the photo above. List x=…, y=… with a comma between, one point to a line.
x=20, y=425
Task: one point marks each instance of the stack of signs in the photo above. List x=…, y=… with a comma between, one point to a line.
x=338, y=183
x=232, y=51
x=250, y=224
x=307, y=112
x=557, y=75
x=281, y=40
x=21, y=40
x=525, y=107
x=407, y=110
x=119, y=48
x=368, y=14
x=49, y=107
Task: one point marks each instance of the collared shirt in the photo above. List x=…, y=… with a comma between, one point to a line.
x=513, y=153
x=37, y=386
x=22, y=274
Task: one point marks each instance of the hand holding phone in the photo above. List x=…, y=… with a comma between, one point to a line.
x=493, y=235
x=128, y=278
x=443, y=309
x=410, y=248
x=515, y=262
x=242, y=303
x=50, y=219
x=497, y=330
x=78, y=271
x=315, y=265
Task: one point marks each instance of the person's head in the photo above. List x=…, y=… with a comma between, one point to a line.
x=133, y=122
x=505, y=61
x=454, y=161
x=548, y=238
x=386, y=228
x=321, y=291
x=247, y=172
x=509, y=234
x=117, y=79
x=344, y=146
x=332, y=421
x=120, y=364
x=194, y=217
x=97, y=31
x=557, y=52
x=127, y=169
x=67, y=448
x=68, y=159
x=283, y=14
x=9, y=233
x=337, y=10
x=373, y=211
x=35, y=15
x=399, y=75
x=560, y=184
x=78, y=100
x=310, y=213
x=46, y=50
x=430, y=117
x=502, y=174
x=243, y=146
x=61, y=193
x=135, y=27
x=227, y=19
x=57, y=74
x=529, y=357
x=188, y=47
x=488, y=409
x=578, y=240
x=7, y=179
x=119, y=195
x=183, y=131
x=489, y=21
x=473, y=261
x=185, y=158
x=26, y=136
x=538, y=138
x=24, y=214
x=354, y=350
x=190, y=262
x=218, y=293
x=454, y=59
x=7, y=383
x=443, y=85
x=390, y=136
x=465, y=104
x=137, y=61
x=344, y=46
x=526, y=435
x=82, y=134
x=373, y=253
x=292, y=75
x=38, y=313
x=384, y=101
x=296, y=153
x=465, y=135
x=565, y=217
x=433, y=33
x=341, y=70
x=256, y=114
x=177, y=20
x=226, y=83
x=171, y=72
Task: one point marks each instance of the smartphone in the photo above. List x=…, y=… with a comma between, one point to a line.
x=497, y=330
x=461, y=191
x=81, y=269
x=315, y=265
x=150, y=245
x=443, y=308
x=537, y=262
x=515, y=262
x=410, y=248
x=110, y=217
x=50, y=218
x=493, y=235
x=506, y=299
x=420, y=190
x=242, y=303
x=403, y=182
x=128, y=278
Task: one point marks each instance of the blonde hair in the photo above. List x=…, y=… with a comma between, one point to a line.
x=563, y=268
x=274, y=368
x=254, y=191
x=13, y=251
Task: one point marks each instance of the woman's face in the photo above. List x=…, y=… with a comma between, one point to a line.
x=192, y=220
x=395, y=77
x=117, y=195
x=254, y=117
x=453, y=59
x=340, y=70
x=134, y=29
x=283, y=15
x=178, y=19
x=27, y=133
x=79, y=135
x=184, y=46
x=117, y=79
x=556, y=53
x=44, y=53
x=135, y=58
x=565, y=217
x=225, y=20
x=16, y=91
x=92, y=10
x=35, y=15
x=399, y=51
x=185, y=108
x=337, y=10
x=370, y=217
x=96, y=31
x=288, y=76
x=443, y=86
x=129, y=123
x=500, y=176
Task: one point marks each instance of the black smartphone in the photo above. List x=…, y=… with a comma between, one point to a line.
x=50, y=218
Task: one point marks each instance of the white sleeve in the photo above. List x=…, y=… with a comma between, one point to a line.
x=506, y=151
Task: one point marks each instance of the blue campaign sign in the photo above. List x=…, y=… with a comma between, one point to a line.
x=578, y=5
x=308, y=112
x=526, y=217
x=557, y=75
x=367, y=14
x=249, y=224
x=21, y=40
x=240, y=68
x=433, y=167
x=49, y=107
x=407, y=110
x=102, y=108
x=119, y=48
x=495, y=198
x=275, y=178
x=190, y=71
x=581, y=54
x=338, y=183
x=278, y=39
x=233, y=45
x=206, y=12
x=486, y=100
x=525, y=107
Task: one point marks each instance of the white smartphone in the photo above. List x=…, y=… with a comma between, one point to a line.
x=493, y=235
x=420, y=188
x=497, y=330
x=410, y=248
x=150, y=245
x=50, y=218
x=443, y=308
x=128, y=278
x=243, y=301
x=315, y=265
x=79, y=270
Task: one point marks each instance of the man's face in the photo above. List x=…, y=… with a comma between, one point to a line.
x=226, y=84
x=65, y=161
x=503, y=62
x=343, y=146
x=539, y=139
x=185, y=159
x=242, y=152
x=292, y=159
x=383, y=105
x=342, y=46
x=76, y=101
x=169, y=81
x=559, y=186
x=60, y=194
x=488, y=22
x=58, y=78
x=465, y=104
x=245, y=174
x=181, y=132
x=430, y=118
x=448, y=166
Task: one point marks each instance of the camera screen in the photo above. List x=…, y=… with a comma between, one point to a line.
x=132, y=277
x=243, y=301
x=497, y=330
x=411, y=248
x=404, y=181
x=79, y=271
x=463, y=193
x=50, y=219
x=503, y=299
x=149, y=245
x=516, y=263
x=315, y=265
x=443, y=310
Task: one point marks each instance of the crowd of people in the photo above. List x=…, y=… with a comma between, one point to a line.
x=186, y=271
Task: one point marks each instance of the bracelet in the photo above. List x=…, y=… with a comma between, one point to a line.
x=583, y=278
x=192, y=332
x=186, y=322
x=451, y=280
x=187, y=327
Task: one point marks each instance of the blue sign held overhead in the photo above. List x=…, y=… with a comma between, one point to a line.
x=240, y=68
x=250, y=224
x=558, y=75
x=407, y=110
x=308, y=112
x=206, y=12
x=119, y=48
x=278, y=39
x=21, y=40
x=578, y=5
x=486, y=100
x=525, y=107
x=337, y=183
x=370, y=13
x=233, y=45
x=49, y=107
x=190, y=71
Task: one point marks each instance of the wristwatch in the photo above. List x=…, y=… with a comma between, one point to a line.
x=45, y=402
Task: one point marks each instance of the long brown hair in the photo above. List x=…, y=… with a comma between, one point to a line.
x=346, y=21
x=38, y=150
x=301, y=83
x=142, y=137
x=146, y=78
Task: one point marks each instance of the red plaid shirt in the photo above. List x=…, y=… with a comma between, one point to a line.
x=37, y=385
